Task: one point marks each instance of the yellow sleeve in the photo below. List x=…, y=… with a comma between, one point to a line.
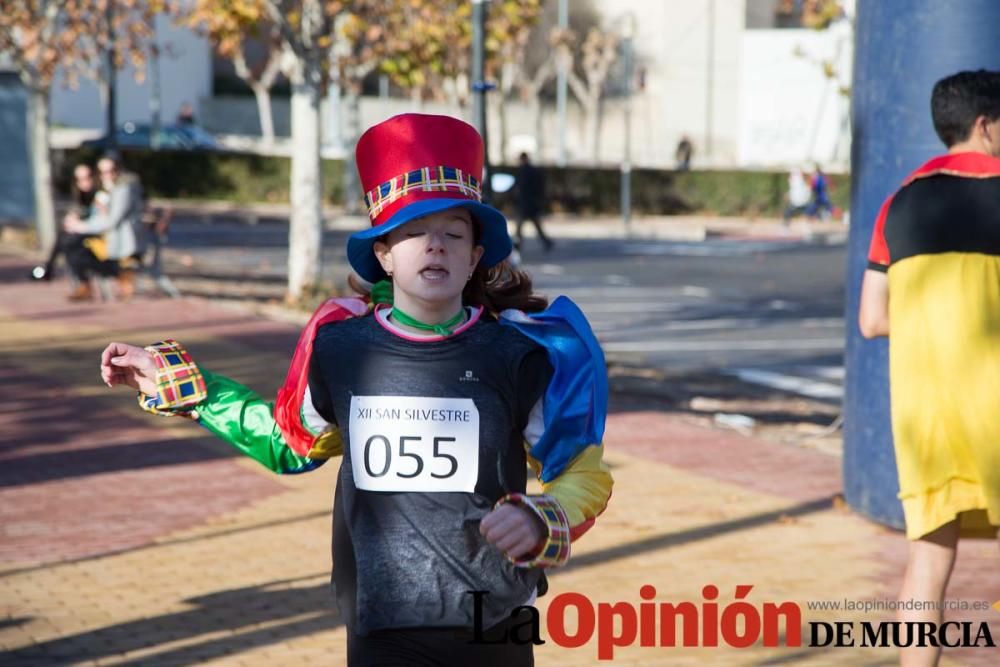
x=568, y=505
x=583, y=488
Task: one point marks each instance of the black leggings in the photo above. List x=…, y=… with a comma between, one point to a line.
x=435, y=647
x=84, y=264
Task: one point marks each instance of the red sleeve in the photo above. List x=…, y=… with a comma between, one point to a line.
x=288, y=406
x=878, y=251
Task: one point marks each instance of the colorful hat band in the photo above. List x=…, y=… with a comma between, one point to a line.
x=428, y=179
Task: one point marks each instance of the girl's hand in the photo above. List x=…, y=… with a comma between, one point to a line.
x=514, y=530
x=128, y=365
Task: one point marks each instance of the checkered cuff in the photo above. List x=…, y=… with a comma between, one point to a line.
x=554, y=550
x=179, y=384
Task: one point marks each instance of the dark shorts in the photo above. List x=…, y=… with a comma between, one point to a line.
x=436, y=647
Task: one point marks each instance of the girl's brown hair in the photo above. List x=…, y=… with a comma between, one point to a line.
x=501, y=287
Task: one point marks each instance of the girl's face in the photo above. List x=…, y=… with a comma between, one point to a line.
x=431, y=258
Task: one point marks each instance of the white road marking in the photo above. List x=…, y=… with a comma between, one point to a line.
x=790, y=383
x=817, y=344
x=718, y=324
x=622, y=291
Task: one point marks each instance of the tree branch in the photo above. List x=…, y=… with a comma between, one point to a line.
x=292, y=41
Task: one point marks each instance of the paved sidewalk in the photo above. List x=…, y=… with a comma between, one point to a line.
x=564, y=225
x=128, y=539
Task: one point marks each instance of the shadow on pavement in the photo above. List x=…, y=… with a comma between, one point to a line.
x=170, y=542
x=228, y=611
x=689, y=535
x=48, y=467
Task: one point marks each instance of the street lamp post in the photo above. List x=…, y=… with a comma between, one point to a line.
x=628, y=32
x=561, y=85
x=109, y=16
x=480, y=87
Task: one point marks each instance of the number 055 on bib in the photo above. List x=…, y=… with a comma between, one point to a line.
x=414, y=443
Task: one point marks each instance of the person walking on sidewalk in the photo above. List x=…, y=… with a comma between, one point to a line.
x=799, y=195
x=438, y=391
x=820, y=207
x=530, y=197
x=933, y=287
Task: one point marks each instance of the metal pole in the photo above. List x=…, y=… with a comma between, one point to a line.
x=626, y=178
x=112, y=141
x=154, y=93
x=561, y=85
x=898, y=58
x=479, y=86
x=710, y=79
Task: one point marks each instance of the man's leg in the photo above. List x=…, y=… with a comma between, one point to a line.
x=546, y=241
x=790, y=211
x=928, y=570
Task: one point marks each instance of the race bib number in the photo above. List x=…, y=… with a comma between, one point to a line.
x=411, y=443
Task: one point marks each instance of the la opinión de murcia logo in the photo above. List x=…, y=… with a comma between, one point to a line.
x=708, y=623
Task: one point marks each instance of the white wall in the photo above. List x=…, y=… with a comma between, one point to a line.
x=681, y=43
x=791, y=113
x=185, y=76
x=767, y=107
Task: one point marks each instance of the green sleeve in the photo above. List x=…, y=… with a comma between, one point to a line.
x=242, y=418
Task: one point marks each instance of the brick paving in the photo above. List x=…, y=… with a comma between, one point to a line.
x=127, y=539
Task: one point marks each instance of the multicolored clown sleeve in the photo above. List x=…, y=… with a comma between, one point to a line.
x=286, y=436
x=567, y=456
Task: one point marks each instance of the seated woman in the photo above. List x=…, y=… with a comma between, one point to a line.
x=119, y=221
x=79, y=257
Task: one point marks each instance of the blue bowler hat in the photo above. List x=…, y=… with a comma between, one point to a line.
x=413, y=165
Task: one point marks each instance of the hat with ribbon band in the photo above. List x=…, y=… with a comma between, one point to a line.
x=413, y=165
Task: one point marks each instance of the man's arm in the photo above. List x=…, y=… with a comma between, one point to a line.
x=873, y=314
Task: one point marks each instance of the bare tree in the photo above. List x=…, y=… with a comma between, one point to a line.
x=230, y=26
x=42, y=37
x=305, y=26
x=531, y=92
x=598, y=52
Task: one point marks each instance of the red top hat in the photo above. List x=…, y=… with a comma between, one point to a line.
x=413, y=165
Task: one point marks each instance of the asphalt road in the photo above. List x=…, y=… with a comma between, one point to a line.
x=767, y=311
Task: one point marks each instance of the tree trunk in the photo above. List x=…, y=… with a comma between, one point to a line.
x=504, y=130
x=41, y=167
x=532, y=91
x=536, y=112
x=263, y=97
x=592, y=128
x=417, y=98
x=508, y=75
x=352, y=130
x=306, y=224
x=333, y=136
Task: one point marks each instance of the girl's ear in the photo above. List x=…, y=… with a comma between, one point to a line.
x=477, y=254
x=383, y=256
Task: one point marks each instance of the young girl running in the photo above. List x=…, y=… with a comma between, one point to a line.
x=438, y=392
